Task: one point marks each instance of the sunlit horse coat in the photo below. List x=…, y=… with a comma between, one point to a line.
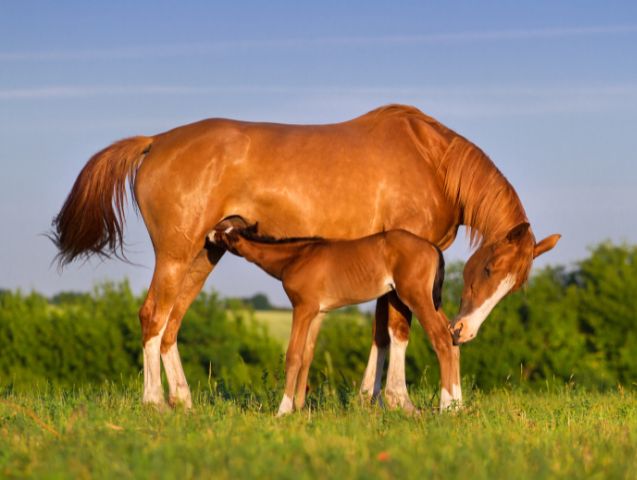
x=392, y=168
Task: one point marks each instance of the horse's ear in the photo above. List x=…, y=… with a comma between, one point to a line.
x=545, y=245
x=517, y=232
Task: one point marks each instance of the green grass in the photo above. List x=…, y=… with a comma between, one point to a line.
x=105, y=433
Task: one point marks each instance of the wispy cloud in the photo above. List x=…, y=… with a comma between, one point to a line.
x=202, y=49
x=70, y=91
x=453, y=101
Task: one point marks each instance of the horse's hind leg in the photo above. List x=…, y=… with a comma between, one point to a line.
x=308, y=356
x=399, y=324
x=178, y=390
x=154, y=314
x=372, y=379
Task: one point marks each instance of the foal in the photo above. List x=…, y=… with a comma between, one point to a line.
x=320, y=275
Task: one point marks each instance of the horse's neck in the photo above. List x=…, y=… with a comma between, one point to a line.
x=271, y=257
x=489, y=205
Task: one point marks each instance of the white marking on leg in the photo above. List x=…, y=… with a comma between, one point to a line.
x=451, y=400
x=396, y=389
x=472, y=322
x=446, y=399
x=378, y=380
x=372, y=380
x=178, y=391
x=153, y=393
x=456, y=394
x=286, y=406
x=367, y=385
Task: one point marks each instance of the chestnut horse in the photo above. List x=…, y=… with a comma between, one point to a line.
x=392, y=168
x=320, y=275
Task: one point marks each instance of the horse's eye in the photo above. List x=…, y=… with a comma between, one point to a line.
x=487, y=271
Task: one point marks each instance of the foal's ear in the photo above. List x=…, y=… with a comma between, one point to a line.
x=545, y=245
x=517, y=232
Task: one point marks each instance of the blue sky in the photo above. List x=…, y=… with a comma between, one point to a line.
x=547, y=89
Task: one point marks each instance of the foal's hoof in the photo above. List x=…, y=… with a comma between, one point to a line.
x=283, y=413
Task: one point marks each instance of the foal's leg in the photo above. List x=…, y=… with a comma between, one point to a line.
x=308, y=355
x=435, y=324
x=398, y=326
x=371, y=385
x=301, y=319
x=154, y=314
x=178, y=391
x=448, y=355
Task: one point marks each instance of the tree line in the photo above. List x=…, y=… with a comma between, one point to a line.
x=568, y=324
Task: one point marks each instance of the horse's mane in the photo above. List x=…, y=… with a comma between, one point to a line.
x=489, y=204
x=250, y=233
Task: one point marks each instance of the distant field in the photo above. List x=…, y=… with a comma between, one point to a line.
x=279, y=322
x=106, y=433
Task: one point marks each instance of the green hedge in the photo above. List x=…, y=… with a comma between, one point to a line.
x=567, y=325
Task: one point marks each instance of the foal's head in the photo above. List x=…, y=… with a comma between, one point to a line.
x=492, y=272
x=227, y=232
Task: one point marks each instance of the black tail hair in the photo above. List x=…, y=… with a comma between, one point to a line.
x=439, y=280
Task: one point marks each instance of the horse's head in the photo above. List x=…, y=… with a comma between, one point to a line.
x=492, y=272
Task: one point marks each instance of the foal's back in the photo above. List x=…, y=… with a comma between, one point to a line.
x=343, y=272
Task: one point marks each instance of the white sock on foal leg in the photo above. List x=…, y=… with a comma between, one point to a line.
x=451, y=399
x=287, y=405
x=178, y=391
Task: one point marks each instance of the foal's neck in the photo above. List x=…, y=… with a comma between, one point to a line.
x=271, y=257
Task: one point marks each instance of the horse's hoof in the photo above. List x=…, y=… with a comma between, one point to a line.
x=180, y=403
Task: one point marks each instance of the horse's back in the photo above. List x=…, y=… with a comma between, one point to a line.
x=328, y=180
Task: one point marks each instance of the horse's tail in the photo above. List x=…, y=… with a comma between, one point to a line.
x=439, y=280
x=91, y=220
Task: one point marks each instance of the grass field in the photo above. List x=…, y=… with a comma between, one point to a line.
x=279, y=322
x=106, y=433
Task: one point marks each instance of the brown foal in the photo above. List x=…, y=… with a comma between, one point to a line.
x=320, y=275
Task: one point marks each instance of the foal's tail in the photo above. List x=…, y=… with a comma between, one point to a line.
x=439, y=280
x=91, y=220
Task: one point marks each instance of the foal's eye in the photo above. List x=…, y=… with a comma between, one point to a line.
x=487, y=271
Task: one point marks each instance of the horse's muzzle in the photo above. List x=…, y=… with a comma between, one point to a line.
x=459, y=335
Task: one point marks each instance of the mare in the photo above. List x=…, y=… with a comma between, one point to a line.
x=392, y=168
x=320, y=275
